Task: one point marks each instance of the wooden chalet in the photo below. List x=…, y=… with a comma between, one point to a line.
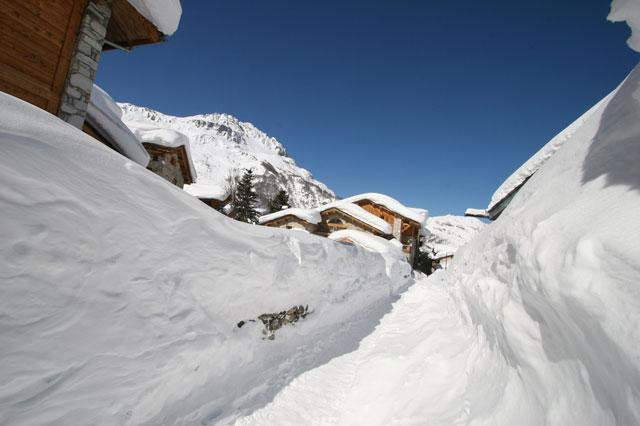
x=405, y=229
x=376, y=214
x=49, y=50
x=172, y=163
x=336, y=219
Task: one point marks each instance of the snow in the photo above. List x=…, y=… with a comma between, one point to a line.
x=359, y=213
x=164, y=14
x=105, y=116
x=223, y=146
x=537, y=320
x=398, y=269
x=534, y=163
x=165, y=137
x=417, y=215
x=121, y=293
x=476, y=212
x=446, y=234
x=200, y=190
x=629, y=11
x=308, y=215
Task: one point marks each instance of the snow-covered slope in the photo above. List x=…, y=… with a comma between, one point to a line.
x=221, y=144
x=446, y=234
x=536, y=322
x=121, y=293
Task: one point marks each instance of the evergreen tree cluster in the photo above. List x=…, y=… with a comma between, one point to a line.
x=279, y=202
x=243, y=206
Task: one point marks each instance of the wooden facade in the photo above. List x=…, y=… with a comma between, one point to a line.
x=37, y=40
x=409, y=232
x=334, y=219
x=172, y=163
x=127, y=28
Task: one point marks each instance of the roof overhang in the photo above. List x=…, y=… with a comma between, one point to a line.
x=128, y=28
x=392, y=212
x=339, y=211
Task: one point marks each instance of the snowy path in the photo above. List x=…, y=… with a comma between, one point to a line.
x=406, y=352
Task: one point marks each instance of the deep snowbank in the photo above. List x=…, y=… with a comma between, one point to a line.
x=446, y=234
x=121, y=293
x=538, y=320
x=397, y=266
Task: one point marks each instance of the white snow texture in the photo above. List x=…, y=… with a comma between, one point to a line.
x=446, y=234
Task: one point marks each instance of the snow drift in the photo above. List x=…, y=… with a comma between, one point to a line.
x=121, y=293
x=398, y=269
x=536, y=322
x=446, y=234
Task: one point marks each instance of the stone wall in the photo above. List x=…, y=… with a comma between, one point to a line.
x=84, y=62
x=167, y=165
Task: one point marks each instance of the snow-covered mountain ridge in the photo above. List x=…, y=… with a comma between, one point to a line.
x=222, y=145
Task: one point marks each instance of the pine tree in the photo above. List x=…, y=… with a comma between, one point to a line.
x=280, y=201
x=243, y=206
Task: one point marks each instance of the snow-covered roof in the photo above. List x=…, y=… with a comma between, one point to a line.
x=629, y=11
x=308, y=215
x=475, y=212
x=165, y=137
x=164, y=14
x=207, y=190
x=371, y=242
x=359, y=213
x=105, y=116
x=313, y=215
x=532, y=165
x=417, y=215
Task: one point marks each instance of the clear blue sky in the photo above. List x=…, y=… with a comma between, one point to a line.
x=432, y=102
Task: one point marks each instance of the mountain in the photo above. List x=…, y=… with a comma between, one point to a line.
x=222, y=145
